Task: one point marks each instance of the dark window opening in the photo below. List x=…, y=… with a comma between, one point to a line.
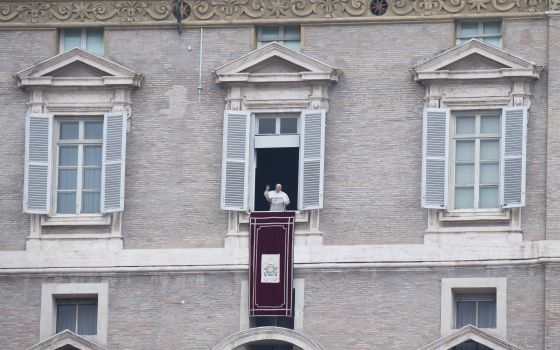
x=267, y=345
x=276, y=165
x=77, y=315
x=68, y=347
x=470, y=345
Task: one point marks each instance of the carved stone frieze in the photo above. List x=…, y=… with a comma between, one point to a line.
x=84, y=11
x=112, y=12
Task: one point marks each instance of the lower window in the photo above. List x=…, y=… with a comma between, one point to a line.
x=476, y=309
x=78, y=315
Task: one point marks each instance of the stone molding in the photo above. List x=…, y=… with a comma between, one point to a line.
x=470, y=332
x=64, y=338
x=63, y=13
x=267, y=333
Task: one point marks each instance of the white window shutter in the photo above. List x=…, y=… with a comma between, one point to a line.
x=38, y=162
x=113, y=168
x=435, y=158
x=514, y=138
x=311, y=159
x=235, y=160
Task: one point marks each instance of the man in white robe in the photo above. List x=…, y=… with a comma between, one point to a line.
x=278, y=199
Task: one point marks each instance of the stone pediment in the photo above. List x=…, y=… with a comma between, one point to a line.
x=475, y=59
x=473, y=333
x=66, y=340
x=78, y=67
x=275, y=63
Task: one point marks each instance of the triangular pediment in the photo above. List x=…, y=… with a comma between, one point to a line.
x=77, y=67
x=275, y=63
x=471, y=333
x=475, y=59
x=66, y=340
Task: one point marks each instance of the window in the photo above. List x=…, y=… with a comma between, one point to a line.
x=487, y=31
x=280, y=148
x=82, y=308
x=90, y=39
x=481, y=302
x=478, y=158
x=476, y=172
x=82, y=170
x=77, y=315
x=287, y=35
x=476, y=309
x=78, y=171
x=277, y=125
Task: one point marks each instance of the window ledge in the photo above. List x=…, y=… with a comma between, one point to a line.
x=90, y=220
x=471, y=216
x=301, y=216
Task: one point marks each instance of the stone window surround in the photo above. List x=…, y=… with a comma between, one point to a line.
x=477, y=89
x=78, y=96
x=50, y=291
x=449, y=285
x=276, y=92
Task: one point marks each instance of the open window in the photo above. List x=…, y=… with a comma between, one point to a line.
x=280, y=148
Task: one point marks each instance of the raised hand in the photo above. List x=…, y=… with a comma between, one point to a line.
x=267, y=188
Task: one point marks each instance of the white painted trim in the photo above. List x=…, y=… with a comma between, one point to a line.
x=276, y=141
x=448, y=285
x=50, y=291
x=66, y=338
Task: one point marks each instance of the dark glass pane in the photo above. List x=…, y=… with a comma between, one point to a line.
x=87, y=319
x=486, y=314
x=466, y=313
x=288, y=125
x=65, y=318
x=267, y=125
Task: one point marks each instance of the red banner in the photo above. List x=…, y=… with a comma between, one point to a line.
x=271, y=263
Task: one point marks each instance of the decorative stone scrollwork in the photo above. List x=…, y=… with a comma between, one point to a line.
x=30, y=12
x=84, y=11
x=439, y=7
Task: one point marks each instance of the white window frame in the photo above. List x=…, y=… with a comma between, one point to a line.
x=480, y=35
x=450, y=286
x=51, y=291
x=281, y=36
x=81, y=142
x=83, y=42
x=477, y=137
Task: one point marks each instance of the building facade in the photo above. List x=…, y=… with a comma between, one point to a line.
x=417, y=141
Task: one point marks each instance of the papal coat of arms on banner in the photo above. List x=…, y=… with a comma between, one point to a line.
x=270, y=268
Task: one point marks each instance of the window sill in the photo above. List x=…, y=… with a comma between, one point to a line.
x=89, y=220
x=301, y=216
x=473, y=216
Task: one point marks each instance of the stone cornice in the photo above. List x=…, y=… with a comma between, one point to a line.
x=66, y=13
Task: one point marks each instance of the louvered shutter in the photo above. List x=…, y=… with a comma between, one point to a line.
x=38, y=159
x=514, y=136
x=435, y=160
x=311, y=159
x=114, y=155
x=235, y=160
